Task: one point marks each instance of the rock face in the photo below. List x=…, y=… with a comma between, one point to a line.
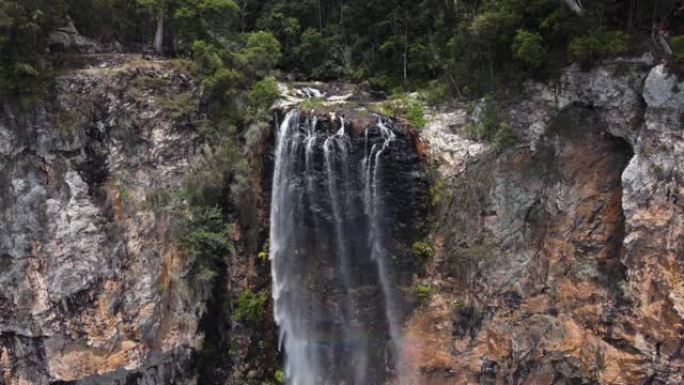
x=560, y=260
x=89, y=274
x=68, y=39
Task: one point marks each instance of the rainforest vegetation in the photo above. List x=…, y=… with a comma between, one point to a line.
x=455, y=48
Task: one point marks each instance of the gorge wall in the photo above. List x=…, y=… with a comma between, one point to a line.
x=558, y=259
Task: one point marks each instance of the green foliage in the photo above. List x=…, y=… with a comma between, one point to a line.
x=415, y=115
x=589, y=48
x=236, y=79
x=504, y=137
x=207, y=20
x=279, y=377
x=527, y=47
x=264, y=93
x=491, y=127
x=24, y=28
x=178, y=107
x=316, y=55
x=260, y=54
x=204, y=236
x=214, y=173
x=422, y=251
x=406, y=107
x=251, y=307
x=110, y=20
x=677, y=44
x=311, y=103
x=423, y=293
x=207, y=236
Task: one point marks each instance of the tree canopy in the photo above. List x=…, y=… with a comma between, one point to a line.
x=462, y=47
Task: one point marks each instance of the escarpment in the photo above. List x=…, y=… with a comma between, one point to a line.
x=557, y=259
x=552, y=255
x=91, y=277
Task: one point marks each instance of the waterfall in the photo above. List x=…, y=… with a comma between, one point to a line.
x=335, y=291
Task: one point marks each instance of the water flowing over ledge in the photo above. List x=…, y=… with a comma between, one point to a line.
x=339, y=200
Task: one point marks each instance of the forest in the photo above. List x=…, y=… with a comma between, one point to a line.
x=454, y=48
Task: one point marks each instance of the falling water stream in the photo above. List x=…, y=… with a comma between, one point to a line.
x=335, y=288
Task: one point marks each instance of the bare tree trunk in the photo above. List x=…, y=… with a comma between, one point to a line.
x=243, y=14
x=159, y=35
x=320, y=16
x=575, y=6
x=406, y=21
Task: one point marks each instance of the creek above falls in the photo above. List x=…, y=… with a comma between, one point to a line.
x=346, y=202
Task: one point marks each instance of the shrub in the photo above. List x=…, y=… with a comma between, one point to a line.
x=279, y=376
x=422, y=251
x=264, y=93
x=677, y=44
x=527, y=47
x=251, y=307
x=406, y=106
x=423, y=293
x=414, y=114
x=260, y=54
x=205, y=234
x=311, y=104
x=491, y=127
x=180, y=107
x=504, y=137
x=589, y=48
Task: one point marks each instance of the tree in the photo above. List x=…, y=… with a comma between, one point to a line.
x=158, y=8
x=24, y=28
x=527, y=47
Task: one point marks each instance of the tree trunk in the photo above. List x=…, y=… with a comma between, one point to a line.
x=406, y=43
x=159, y=35
x=575, y=6
x=243, y=14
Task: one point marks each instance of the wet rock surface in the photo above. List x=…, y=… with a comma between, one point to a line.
x=346, y=208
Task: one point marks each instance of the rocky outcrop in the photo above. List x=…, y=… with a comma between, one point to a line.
x=93, y=289
x=559, y=260
x=68, y=39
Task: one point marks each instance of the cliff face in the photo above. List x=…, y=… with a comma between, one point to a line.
x=560, y=260
x=89, y=273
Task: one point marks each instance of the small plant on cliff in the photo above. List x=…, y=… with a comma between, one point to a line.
x=491, y=126
x=250, y=307
x=404, y=106
x=422, y=293
x=677, y=44
x=422, y=251
x=203, y=235
x=311, y=104
x=415, y=115
x=263, y=254
x=279, y=377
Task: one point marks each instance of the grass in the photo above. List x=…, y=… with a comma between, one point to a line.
x=312, y=104
x=76, y=116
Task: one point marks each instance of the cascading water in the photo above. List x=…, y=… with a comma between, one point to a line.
x=333, y=218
